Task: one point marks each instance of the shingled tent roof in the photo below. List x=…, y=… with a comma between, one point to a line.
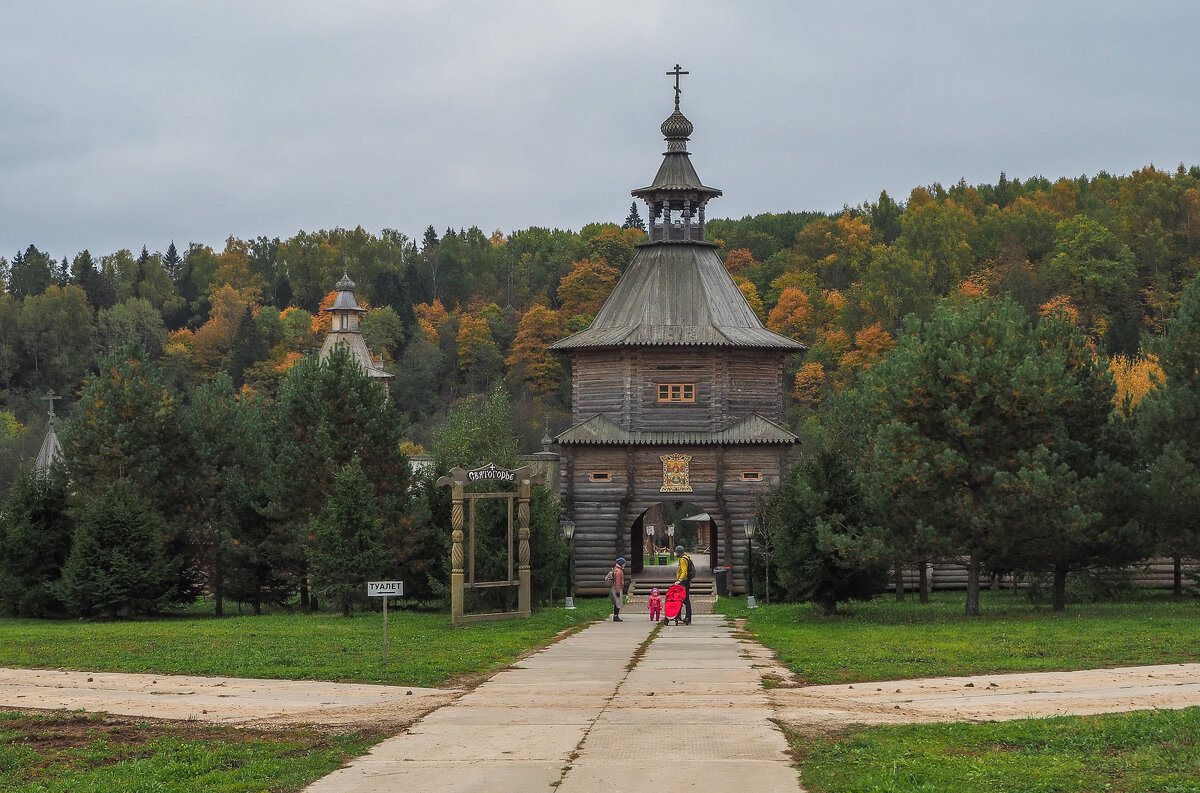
x=676, y=293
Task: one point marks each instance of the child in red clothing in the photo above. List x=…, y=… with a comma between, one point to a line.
x=656, y=604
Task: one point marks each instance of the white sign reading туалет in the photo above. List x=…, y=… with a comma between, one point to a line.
x=385, y=589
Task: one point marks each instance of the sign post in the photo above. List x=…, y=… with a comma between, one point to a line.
x=385, y=590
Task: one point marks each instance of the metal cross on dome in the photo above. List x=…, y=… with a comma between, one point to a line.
x=678, y=72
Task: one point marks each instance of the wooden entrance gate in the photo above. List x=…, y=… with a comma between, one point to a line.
x=462, y=579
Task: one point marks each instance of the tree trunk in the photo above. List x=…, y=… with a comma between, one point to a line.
x=973, y=585
x=257, y=606
x=924, y=582
x=1058, y=597
x=346, y=609
x=1177, y=585
x=303, y=595
x=218, y=599
x=828, y=606
x=899, y=578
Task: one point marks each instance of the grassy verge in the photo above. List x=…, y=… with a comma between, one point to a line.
x=80, y=754
x=1141, y=752
x=885, y=640
x=423, y=649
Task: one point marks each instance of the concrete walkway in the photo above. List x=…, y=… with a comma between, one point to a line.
x=604, y=711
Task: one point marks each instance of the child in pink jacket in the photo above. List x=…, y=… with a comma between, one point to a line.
x=656, y=605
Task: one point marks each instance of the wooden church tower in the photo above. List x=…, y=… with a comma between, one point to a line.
x=677, y=388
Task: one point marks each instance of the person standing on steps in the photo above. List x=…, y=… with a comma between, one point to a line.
x=616, y=587
x=684, y=576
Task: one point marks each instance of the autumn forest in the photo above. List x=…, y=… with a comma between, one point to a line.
x=457, y=314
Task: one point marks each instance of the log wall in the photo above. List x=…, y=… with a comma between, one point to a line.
x=623, y=385
x=604, y=512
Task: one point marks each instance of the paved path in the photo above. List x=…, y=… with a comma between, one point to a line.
x=605, y=711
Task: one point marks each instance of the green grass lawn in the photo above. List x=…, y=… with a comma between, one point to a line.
x=74, y=753
x=885, y=640
x=423, y=648
x=1141, y=752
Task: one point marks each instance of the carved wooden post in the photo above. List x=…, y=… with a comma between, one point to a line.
x=523, y=589
x=456, y=554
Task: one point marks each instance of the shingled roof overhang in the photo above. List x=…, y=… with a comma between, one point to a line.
x=600, y=430
x=676, y=294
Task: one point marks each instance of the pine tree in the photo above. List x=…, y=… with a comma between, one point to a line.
x=128, y=431
x=634, y=220
x=329, y=412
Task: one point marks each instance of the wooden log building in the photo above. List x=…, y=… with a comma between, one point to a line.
x=677, y=389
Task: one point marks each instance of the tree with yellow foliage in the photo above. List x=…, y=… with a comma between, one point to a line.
x=750, y=292
x=429, y=317
x=1135, y=377
x=583, y=291
x=792, y=315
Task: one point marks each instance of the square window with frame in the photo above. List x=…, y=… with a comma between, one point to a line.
x=676, y=392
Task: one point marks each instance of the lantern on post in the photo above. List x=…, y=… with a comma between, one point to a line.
x=649, y=558
x=568, y=535
x=748, y=527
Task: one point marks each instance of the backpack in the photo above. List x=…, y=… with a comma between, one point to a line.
x=691, y=567
x=608, y=579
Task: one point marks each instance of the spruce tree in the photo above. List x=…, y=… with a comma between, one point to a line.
x=634, y=220
x=347, y=549
x=35, y=540
x=116, y=567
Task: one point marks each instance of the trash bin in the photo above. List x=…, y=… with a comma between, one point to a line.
x=722, y=576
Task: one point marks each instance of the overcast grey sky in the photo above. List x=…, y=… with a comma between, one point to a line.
x=128, y=123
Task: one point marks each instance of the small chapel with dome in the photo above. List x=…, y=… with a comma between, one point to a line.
x=344, y=315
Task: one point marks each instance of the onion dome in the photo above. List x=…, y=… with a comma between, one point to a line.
x=345, y=296
x=677, y=126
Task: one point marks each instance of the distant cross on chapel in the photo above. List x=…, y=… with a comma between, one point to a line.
x=51, y=449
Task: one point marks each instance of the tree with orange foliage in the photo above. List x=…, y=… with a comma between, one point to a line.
x=531, y=362
x=583, y=291
x=870, y=345
x=792, y=315
x=738, y=260
x=1060, y=304
x=214, y=339
x=429, y=317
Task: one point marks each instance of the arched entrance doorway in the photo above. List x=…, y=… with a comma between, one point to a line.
x=655, y=533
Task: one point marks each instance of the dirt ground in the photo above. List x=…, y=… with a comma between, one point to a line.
x=282, y=704
x=234, y=701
